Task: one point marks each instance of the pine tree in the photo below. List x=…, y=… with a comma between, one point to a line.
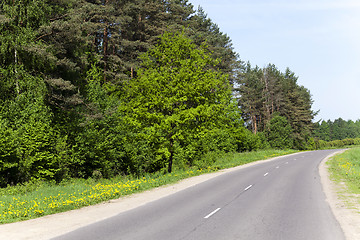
x=204, y=30
x=251, y=98
x=298, y=110
x=145, y=21
x=265, y=92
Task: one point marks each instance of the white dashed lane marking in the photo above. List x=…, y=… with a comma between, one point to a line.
x=212, y=213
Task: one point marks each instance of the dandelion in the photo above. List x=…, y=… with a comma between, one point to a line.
x=39, y=212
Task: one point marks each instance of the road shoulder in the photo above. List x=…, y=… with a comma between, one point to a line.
x=348, y=218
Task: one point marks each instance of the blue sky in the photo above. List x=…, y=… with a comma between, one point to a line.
x=319, y=40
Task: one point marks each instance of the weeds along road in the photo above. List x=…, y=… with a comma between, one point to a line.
x=280, y=199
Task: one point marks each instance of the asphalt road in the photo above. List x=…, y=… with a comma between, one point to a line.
x=280, y=199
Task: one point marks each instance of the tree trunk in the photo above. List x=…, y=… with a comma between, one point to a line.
x=171, y=155
x=254, y=124
x=105, y=42
x=16, y=77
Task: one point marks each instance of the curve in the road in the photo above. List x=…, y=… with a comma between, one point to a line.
x=280, y=199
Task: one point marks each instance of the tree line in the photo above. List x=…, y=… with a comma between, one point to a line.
x=132, y=87
x=338, y=129
x=274, y=105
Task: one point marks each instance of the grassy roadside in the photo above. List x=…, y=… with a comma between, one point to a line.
x=38, y=199
x=344, y=168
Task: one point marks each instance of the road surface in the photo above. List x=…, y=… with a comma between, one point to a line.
x=280, y=199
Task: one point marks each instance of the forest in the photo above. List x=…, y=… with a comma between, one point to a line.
x=107, y=88
x=338, y=129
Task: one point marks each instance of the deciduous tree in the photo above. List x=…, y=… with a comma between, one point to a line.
x=176, y=94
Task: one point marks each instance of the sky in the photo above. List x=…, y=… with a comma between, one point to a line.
x=319, y=40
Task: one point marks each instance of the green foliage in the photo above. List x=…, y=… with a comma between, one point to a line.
x=205, y=30
x=98, y=145
x=267, y=92
x=321, y=144
x=311, y=144
x=176, y=96
x=279, y=133
x=77, y=101
x=336, y=134
x=28, y=139
x=338, y=129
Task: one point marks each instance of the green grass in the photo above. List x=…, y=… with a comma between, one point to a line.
x=38, y=198
x=345, y=168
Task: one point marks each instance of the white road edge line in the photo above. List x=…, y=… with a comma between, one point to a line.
x=248, y=188
x=266, y=174
x=212, y=213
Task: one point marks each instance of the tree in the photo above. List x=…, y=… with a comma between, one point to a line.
x=322, y=131
x=205, y=30
x=176, y=94
x=142, y=21
x=28, y=139
x=251, y=97
x=264, y=92
x=279, y=132
x=298, y=103
x=338, y=129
